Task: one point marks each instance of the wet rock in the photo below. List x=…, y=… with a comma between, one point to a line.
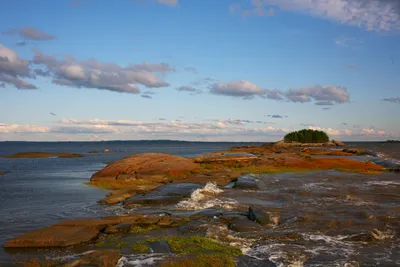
x=338, y=143
x=239, y=225
x=192, y=227
x=118, y=196
x=180, y=189
x=170, y=221
x=98, y=224
x=54, y=236
x=206, y=213
x=362, y=237
x=144, y=165
x=261, y=216
x=246, y=182
x=156, y=200
x=230, y=217
x=119, y=228
x=98, y=258
x=160, y=247
x=219, y=177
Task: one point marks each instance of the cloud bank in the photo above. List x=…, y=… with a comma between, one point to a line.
x=372, y=15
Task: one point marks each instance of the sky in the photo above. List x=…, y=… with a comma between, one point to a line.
x=199, y=70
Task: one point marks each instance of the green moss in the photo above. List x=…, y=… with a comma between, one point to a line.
x=202, y=260
x=143, y=230
x=100, y=244
x=191, y=245
x=141, y=247
x=122, y=244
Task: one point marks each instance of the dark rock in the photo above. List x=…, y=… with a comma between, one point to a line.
x=182, y=189
x=262, y=217
x=156, y=200
x=240, y=225
x=246, y=182
x=160, y=247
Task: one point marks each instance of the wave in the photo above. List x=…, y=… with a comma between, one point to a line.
x=140, y=260
x=204, y=198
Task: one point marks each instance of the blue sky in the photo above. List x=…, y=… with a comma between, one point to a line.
x=199, y=70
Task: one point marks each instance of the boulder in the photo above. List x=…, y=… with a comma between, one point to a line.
x=262, y=217
x=246, y=182
x=53, y=236
x=338, y=143
x=144, y=165
x=98, y=258
x=240, y=225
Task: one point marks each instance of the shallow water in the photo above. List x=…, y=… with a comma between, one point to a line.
x=330, y=213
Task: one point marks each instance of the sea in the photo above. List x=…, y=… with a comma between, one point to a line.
x=35, y=193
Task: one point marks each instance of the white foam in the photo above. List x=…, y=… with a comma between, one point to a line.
x=221, y=233
x=383, y=183
x=139, y=260
x=280, y=254
x=204, y=198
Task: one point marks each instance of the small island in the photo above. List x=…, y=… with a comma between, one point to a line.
x=308, y=138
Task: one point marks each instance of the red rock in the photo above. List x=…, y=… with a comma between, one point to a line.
x=99, y=258
x=53, y=236
x=144, y=165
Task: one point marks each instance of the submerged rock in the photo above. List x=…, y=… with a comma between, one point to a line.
x=240, y=225
x=261, y=216
x=99, y=258
x=160, y=247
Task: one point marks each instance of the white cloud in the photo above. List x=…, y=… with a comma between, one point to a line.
x=373, y=15
x=16, y=128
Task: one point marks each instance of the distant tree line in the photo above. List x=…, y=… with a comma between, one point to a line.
x=307, y=136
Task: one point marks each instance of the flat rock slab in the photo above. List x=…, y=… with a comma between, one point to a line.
x=144, y=165
x=99, y=258
x=98, y=224
x=118, y=196
x=54, y=236
x=240, y=225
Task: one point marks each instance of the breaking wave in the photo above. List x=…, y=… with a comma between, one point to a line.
x=204, y=198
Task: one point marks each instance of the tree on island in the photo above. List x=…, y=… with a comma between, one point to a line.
x=307, y=136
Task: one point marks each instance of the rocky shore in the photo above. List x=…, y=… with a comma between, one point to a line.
x=157, y=180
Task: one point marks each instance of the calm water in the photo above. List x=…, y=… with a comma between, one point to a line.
x=39, y=192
